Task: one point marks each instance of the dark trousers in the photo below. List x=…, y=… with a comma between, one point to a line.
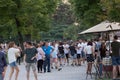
x=39, y=65
x=18, y=60
x=47, y=64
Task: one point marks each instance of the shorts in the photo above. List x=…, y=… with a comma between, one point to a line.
x=1, y=77
x=90, y=58
x=28, y=65
x=67, y=56
x=78, y=56
x=74, y=56
x=116, y=60
x=82, y=54
x=54, y=55
x=61, y=56
x=13, y=64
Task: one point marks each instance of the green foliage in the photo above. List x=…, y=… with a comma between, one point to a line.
x=87, y=11
x=90, y=13
x=62, y=18
x=28, y=17
x=71, y=33
x=112, y=9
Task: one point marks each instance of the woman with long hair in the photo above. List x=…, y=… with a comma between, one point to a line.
x=40, y=57
x=89, y=53
x=54, y=55
x=102, y=55
x=13, y=53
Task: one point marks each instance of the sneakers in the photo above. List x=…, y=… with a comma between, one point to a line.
x=59, y=69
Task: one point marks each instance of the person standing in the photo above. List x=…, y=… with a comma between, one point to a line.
x=48, y=50
x=102, y=55
x=13, y=53
x=19, y=58
x=54, y=56
x=40, y=57
x=30, y=55
x=79, y=49
x=73, y=53
x=3, y=64
x=89, y=54
x=66, y=51
x=61, y=55
x=84, y=44
x=115, y=46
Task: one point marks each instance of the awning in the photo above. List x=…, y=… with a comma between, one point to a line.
x=103, y=27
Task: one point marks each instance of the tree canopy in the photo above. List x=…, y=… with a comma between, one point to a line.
x=90, y=12
x=25, y=17
x=53, y=19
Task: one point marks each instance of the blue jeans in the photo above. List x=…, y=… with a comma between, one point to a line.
x=1, y=77
x=100, y=69
x=47, y=64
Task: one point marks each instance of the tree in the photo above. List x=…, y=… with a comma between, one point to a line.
x=62, y=18
x=112, y=9
x=87, y=11
x=90, y=12
x=26, y=17
x=71, y=33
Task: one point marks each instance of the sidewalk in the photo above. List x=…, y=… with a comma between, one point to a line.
x=67, y=73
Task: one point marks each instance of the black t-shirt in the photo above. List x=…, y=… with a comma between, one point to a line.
x=61, y=49
x=115, y=48
x=103, y=52
x=72, y=50
x=30, y=52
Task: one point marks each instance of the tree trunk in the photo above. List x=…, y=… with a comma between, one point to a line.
x=18, y=25
x=20, y=37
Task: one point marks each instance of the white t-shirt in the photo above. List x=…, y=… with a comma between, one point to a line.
x=80, y=48
x=55, y=51
x=84, y=45
x=118, y=40
x=66, y=48
x=80, y=45
x=88, y=49
x=12, y=54
x=40, y=53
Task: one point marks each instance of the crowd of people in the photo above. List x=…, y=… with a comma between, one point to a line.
x=54, y=55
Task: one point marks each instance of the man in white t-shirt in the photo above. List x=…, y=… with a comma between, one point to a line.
x=79, y=53
x=66, y=51
x=84, y=44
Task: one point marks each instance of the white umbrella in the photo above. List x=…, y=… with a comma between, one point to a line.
x=103, y=27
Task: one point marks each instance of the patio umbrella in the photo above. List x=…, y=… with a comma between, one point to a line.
x=103, y=27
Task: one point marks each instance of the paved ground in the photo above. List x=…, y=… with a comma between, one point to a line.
x=67, y=73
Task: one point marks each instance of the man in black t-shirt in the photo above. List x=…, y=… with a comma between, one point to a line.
x=115, y=45
x=30, y=59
